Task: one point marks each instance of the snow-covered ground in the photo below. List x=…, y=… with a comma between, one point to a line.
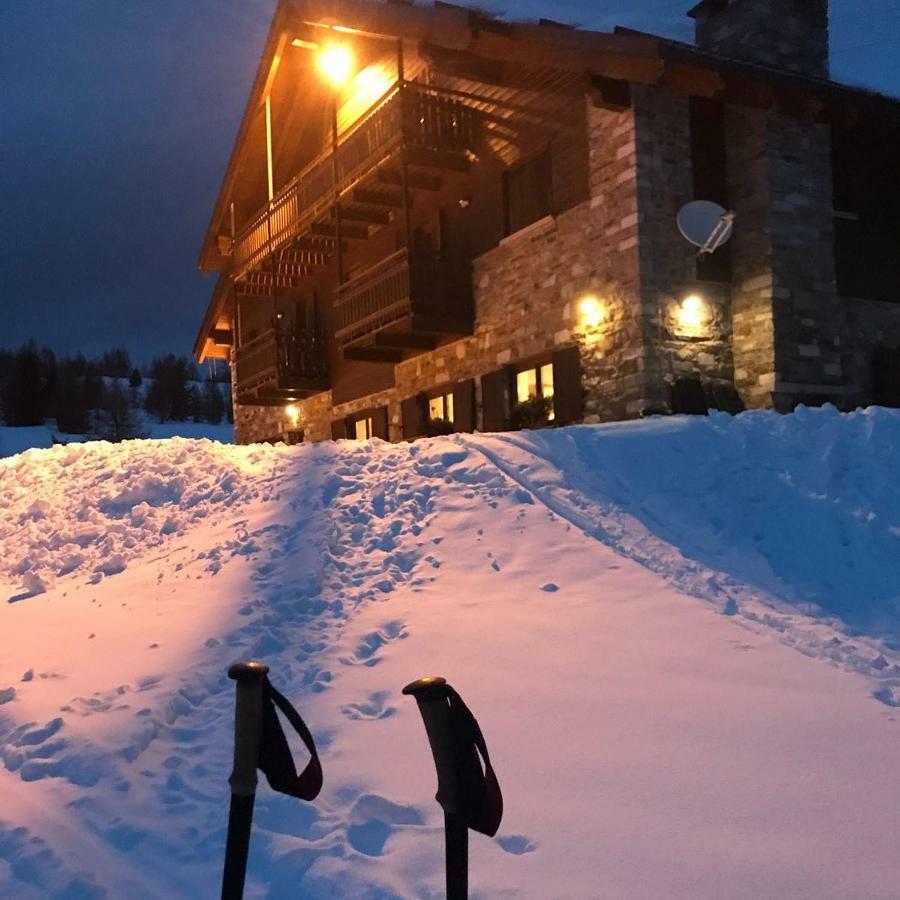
x=681, y=637
x=18, y=440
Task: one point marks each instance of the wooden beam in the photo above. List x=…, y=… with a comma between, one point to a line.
x=438, y=159
x=418, y=181
x=221, y=336
x=391, y=199
x=328, y=229
x=609, y=93
x=693, y=80
x=405, y=340
x=369, y=215
x=373, y=354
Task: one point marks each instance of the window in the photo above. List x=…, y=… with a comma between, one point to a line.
x=535, y=382
x=866, y=192
x=441, y=407
x=363, y=429
x=528, y=192
x=709, y=161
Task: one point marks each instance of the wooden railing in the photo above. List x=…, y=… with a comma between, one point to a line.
x=283, y=358
x=401, y=285
x=408, y=115
x=374, y=299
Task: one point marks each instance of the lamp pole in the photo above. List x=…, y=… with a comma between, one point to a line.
x=335, y=173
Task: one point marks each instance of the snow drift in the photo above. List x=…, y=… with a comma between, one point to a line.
x=622, y=606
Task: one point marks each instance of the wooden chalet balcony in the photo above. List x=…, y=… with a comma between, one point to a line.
x=279, y=366
x=407, y=302
x=424, y=121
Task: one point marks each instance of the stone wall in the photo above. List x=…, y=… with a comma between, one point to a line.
x=787, y=315
x=751, y=256
x=785, y=34
x=866, y=324
x=806, y=308
x=677, y=340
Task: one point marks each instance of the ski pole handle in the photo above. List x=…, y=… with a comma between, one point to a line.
x=430, y=694
x=247, y=725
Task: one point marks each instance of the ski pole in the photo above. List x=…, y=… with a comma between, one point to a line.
x=248, y=713
x=431, y=695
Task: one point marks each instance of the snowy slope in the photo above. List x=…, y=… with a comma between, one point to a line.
x=681, y=638
x=39, y=437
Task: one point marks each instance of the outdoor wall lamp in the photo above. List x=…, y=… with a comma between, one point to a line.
x=691, y=312
x=292, y=413
x=592, y=313
x=336, y=63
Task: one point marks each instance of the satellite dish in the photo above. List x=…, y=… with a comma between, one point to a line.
x=706, y=225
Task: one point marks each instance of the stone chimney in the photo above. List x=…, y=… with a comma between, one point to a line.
x=785, y=34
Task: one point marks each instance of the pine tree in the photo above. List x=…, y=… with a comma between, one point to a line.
x=213, y=402
x=28, y=389
x=116, y=419
x=135, y=381
x=70, y=402
x=169, y=396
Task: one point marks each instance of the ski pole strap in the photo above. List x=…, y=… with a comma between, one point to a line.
x=275, y=759
x=479, y=796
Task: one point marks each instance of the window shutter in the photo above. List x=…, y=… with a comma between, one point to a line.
x=495, y=400
x=568, y=394
x=411, y=411
x=338, y=429
x=886, y=376
x=464, y=405
x=380, y=423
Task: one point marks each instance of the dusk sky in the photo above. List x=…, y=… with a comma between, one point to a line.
x=117, y=120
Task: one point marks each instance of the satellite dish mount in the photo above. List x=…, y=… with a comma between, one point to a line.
x=706, y=225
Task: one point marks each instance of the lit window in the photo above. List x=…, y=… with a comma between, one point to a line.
x=363, y=429
x=546, y=378
x=536, y=382
x=441, y=407
x=526, y=385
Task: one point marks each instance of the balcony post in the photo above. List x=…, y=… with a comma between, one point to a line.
x=335, y=172
x=404, y=173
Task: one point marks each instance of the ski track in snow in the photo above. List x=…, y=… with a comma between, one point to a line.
x=308, y=536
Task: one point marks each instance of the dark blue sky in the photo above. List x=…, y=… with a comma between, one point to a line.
x=117, y=121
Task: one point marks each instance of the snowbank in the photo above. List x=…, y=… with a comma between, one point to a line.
x=18, y=440
x=622, y=606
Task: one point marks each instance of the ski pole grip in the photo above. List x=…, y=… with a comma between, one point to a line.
x=248, y=698
x=430, y=694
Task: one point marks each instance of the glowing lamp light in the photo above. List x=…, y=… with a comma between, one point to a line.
x=293, y=414
x=690, y=313
x=591, y=312
x=336, y=64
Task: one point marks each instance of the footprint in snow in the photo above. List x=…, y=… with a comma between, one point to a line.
x=371, y=709
x=367, y=649
x=374, y=819
x=517, y=844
